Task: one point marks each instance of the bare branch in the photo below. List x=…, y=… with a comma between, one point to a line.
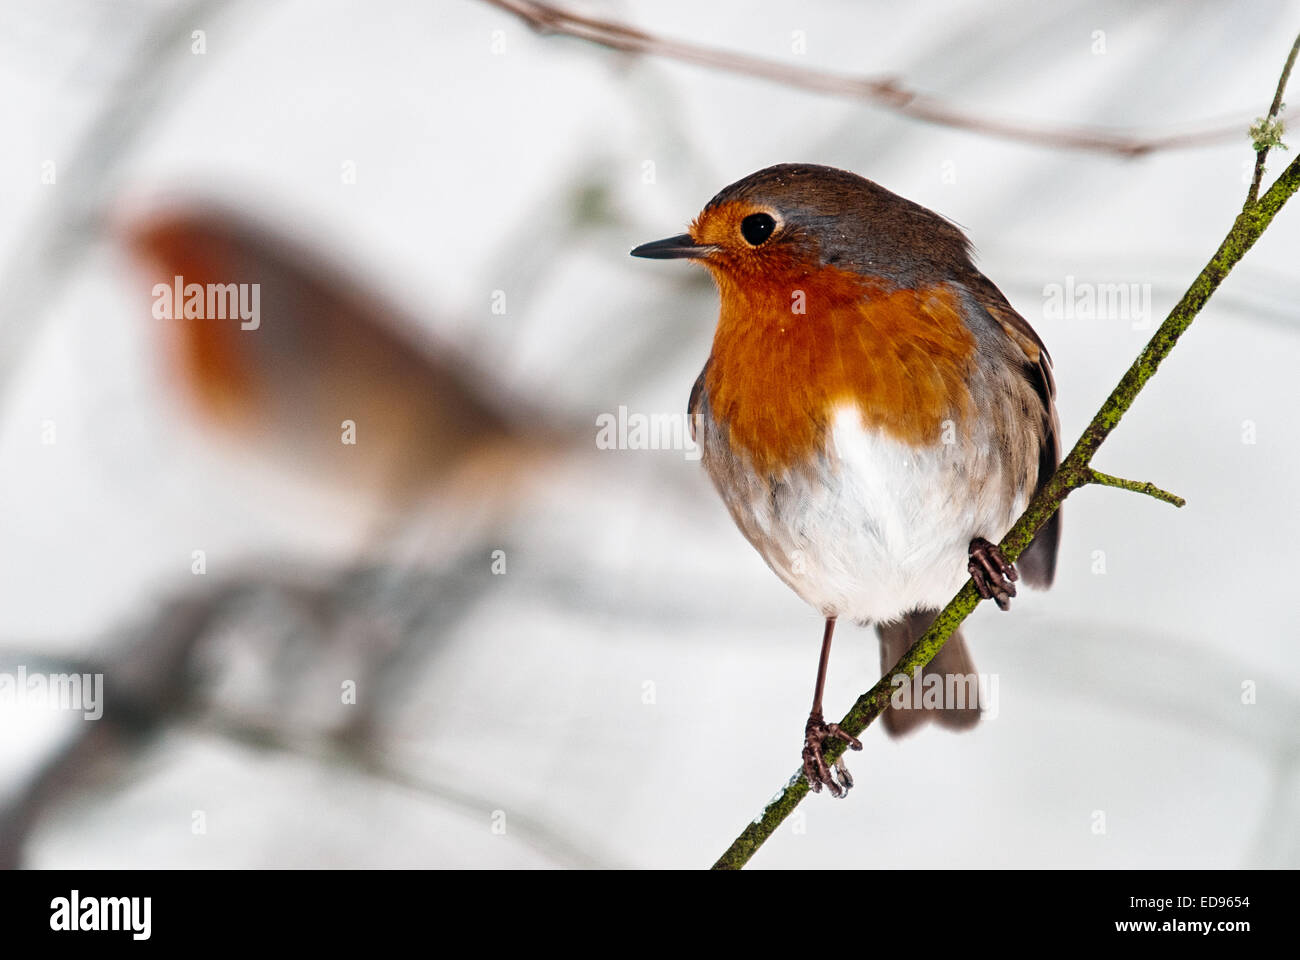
x=887, y=92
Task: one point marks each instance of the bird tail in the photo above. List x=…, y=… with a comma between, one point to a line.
x=952, y=700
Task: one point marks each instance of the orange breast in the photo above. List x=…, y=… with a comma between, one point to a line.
x=776, y=375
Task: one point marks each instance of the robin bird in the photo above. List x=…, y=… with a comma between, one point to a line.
x=874, y=413
x=327, y=352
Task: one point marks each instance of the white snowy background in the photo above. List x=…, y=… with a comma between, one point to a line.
x=522, y=699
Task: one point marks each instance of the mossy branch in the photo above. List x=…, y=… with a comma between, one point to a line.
x=1074, y=472
x=1137, y=486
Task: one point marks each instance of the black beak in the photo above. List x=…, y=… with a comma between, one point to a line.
x=674, y=248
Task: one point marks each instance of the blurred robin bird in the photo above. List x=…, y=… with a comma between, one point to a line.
x=326, y=353
x=874, y=413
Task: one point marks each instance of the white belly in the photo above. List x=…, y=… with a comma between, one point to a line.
x=880, y=528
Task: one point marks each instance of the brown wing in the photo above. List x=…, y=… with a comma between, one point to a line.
x=693, y=404
x=1038, y=563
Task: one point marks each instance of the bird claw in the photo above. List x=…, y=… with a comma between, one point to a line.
x=994, y=575
x=815, y=768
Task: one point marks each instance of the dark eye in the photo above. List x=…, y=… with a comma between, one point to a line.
x=756, y=228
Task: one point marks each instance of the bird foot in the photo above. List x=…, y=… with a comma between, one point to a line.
x=815, y=768
x=993, y=574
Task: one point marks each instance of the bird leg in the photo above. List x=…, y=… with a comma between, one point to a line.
x=994, y=574
x=818, y=731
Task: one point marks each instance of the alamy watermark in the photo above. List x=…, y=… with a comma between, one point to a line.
x=76, y=912
x=953, y=691
x=1081, y=300
x=627, y=430
x=54, y=691
x=211, y=301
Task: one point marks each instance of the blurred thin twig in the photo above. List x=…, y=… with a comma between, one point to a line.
x=883, y=91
